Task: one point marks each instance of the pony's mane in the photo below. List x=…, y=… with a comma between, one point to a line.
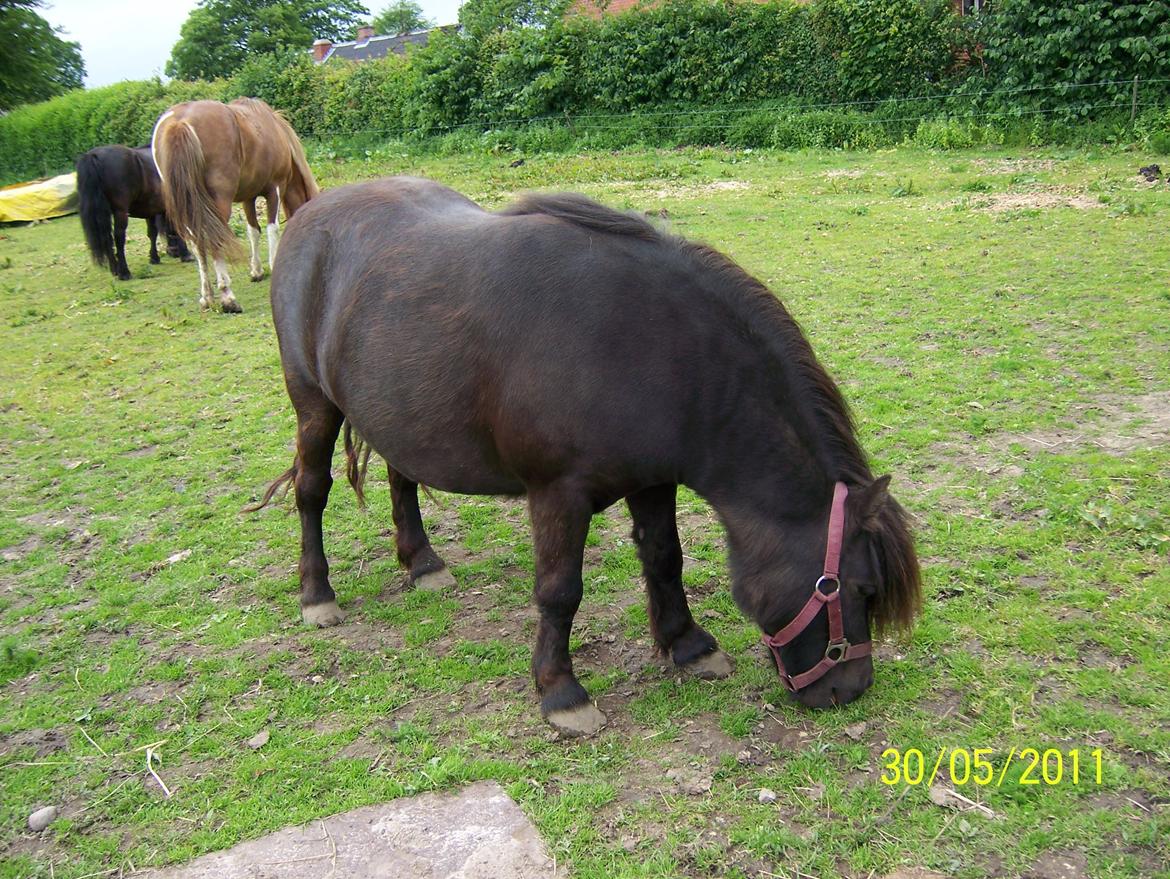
x=827, y=426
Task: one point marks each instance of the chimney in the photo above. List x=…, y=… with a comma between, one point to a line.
x=364, y=33
x=321, y=49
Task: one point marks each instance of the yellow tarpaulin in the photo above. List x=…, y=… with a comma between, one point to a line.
x=39, y=200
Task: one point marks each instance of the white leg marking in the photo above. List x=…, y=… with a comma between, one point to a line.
x=584, y=720
x=711, y=667
x=204, y=280
x=436, y=581
x=323, y=615
x=227, y=299
x=273, y=240
x=257, y=270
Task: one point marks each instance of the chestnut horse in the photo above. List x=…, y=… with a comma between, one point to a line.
x=578, y=355
x=115, y=183
x=211, y=155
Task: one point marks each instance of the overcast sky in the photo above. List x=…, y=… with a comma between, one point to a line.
x=132, y=39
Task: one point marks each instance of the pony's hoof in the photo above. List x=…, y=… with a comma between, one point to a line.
x=154, y=260
x=435, y=581
x=186, y=257
x=123, y=276
x=323, y=615
x=255, y=278
x=584, y=720
x=711, y=666
x=230, y=306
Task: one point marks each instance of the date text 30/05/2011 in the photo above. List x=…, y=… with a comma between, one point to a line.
x=987, y=766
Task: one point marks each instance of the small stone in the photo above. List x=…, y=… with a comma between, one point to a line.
x=42, y=818
x=744, y=756
x=855, y=730
x=259, y=740
x=767, y=795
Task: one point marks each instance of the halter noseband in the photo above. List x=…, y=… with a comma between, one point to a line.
x=839, y=649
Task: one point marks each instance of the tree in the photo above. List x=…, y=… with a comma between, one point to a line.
x=482, y=17
x=220, y=35
x=400, y=17
x=36, y=63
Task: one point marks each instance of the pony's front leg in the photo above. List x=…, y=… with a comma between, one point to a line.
x=560, y=523
x=256, y=268
x=674, y=629
x=272, y=202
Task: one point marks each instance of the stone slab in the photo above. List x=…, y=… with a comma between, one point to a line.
x=477, y=833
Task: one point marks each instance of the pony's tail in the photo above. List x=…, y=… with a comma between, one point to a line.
x=281, y=484
x=357, y=462
x=94, y=208
x=189, y=203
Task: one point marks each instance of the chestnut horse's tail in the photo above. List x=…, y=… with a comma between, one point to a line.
x=94, y=208
x=357, y=461
x=298, y=156
x=190, y=204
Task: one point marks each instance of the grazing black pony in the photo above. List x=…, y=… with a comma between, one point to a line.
x=578, y=355
x=115, y=183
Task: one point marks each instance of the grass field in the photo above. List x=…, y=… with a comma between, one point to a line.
x=1001, y=326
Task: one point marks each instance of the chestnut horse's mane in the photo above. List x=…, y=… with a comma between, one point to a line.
x=828, y=424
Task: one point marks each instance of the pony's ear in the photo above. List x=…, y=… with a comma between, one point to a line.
x=870, y=501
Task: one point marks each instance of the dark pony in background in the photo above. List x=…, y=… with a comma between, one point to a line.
x=115, y=183
x=577, y=355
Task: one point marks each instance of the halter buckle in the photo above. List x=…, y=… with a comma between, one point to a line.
x=840, y=648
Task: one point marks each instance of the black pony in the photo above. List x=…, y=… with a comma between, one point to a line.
x=115, y=183
x=577, y=355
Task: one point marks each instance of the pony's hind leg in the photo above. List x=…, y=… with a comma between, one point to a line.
x=205, y=289
x=152, y=233
x=121, y=270
x=560, y=523
x=256, y=268
x=318, y=423
x=675, y=631
x=223, y=282
x=427, y=570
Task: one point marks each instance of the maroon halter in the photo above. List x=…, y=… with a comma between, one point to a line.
x=839, y=649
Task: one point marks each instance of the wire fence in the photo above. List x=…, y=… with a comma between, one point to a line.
x=957, y=106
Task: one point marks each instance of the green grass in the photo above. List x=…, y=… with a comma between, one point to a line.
x=1000, y=325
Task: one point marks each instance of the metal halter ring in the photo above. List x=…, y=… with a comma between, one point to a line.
x=826, y=579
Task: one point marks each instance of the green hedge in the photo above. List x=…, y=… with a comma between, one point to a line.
x=688, y=71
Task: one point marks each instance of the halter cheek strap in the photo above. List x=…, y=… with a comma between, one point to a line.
x=839, y=649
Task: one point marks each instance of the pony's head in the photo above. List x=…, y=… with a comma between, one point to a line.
x=817, y=597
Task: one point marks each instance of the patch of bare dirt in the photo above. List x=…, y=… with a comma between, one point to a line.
x=42, y=741
x=657, y=189
x=1124, y=424
x=1038, y=199
x=1014, y=166
x=1059, y=865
